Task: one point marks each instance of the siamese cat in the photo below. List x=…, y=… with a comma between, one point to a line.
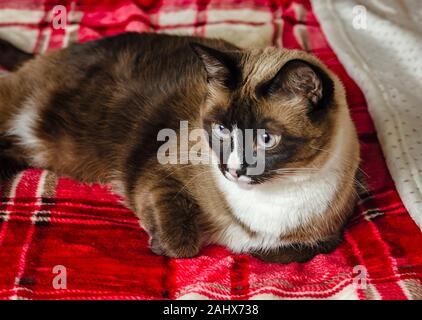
x=94, y=112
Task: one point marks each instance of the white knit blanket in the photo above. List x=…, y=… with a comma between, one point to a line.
x=380, y=45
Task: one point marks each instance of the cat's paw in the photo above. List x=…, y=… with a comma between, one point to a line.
x=156, y=247
x=186, y=248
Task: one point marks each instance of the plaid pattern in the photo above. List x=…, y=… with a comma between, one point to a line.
x=47, y=221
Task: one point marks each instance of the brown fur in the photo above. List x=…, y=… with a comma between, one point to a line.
x=100, y=106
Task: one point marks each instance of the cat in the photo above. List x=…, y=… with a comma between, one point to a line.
x=94, y=112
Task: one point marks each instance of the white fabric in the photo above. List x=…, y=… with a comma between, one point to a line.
x=385, y=59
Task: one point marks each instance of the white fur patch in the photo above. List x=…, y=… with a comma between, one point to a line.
x=22, y=126
x=277, y=207
x=234, y=161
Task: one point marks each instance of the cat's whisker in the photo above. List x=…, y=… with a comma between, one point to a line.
x=294, y=169
x=339, y=158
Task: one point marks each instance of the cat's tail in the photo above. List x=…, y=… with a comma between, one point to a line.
x=11, y=57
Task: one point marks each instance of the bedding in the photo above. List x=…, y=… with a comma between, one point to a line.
x=391, y=79
x=63, y=240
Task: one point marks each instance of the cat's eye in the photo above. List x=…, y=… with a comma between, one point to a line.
x=268, y=141
x=220, y=131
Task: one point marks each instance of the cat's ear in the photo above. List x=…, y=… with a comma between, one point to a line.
x=222, y=67
x=299, y=78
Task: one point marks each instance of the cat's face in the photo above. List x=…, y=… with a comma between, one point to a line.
x=269, y=113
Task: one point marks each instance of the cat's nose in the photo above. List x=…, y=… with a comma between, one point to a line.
x=236, y=173
x=233, y=173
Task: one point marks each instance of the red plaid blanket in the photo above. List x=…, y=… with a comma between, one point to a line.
x=63, y=240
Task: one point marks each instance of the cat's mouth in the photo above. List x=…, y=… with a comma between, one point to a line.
x=242, y=181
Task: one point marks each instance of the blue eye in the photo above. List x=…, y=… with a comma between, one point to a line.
x=268, y=141
x=220, y=131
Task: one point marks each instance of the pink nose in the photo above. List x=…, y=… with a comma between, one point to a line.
x=233, y=173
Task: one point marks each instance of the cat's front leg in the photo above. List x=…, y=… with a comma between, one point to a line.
x=9, y=164
x=176, y=232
